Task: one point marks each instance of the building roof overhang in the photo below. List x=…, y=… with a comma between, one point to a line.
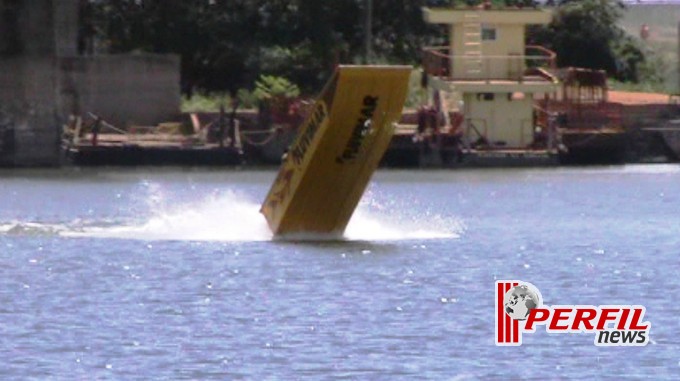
x=511, y=16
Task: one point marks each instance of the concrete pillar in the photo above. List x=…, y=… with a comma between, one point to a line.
x=36, y=27
x=29, y=121
x=66, y=27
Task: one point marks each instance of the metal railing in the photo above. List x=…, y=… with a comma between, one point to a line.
x=548, y=122
x=475, y=136
x=437, y=61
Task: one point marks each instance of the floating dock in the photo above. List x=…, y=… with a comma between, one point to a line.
x=338, y=147
x=97, y=142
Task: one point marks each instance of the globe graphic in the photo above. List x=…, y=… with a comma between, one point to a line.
x=520, y=300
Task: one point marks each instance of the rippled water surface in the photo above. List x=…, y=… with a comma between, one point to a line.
x=172, y=274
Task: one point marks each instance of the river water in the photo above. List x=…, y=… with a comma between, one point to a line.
x=172, y=274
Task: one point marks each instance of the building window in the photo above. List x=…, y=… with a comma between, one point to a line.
x=488, y=32
x=485, y=96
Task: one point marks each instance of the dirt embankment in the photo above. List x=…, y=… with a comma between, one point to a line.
x=635, y=98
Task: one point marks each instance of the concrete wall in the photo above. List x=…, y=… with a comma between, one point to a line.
x=39, y=27
x=9, y=35
x=501, y=119
x=66, y=28
x=123, y=89
x=501, y=58
x=42, y=81
x=36, y=27
x=29, y=120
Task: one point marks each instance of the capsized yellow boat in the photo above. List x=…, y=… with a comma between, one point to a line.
x=328, y=166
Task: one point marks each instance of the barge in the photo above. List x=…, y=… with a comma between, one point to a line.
x=93, y=141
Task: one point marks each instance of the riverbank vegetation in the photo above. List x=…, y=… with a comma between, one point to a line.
x=226, y=45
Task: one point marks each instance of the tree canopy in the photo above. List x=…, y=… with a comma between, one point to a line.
x=585, y=33
x=226, y=44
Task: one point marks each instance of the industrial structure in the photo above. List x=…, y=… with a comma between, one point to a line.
x=492, y=100
x=44, y=79
x=493, y=79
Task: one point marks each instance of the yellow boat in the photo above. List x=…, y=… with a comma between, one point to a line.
x=328, y=166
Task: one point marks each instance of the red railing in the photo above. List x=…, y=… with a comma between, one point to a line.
x=549, y=55
x=437, y=61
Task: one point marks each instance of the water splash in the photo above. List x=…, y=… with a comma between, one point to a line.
x=628, y=169
x=228, y=217
x=367, y=224
x=653, y=169
x=233, y=217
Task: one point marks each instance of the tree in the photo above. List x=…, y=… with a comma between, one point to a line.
x=399, y=31
x=214, y=39
x=227, y=44
x=586, y=34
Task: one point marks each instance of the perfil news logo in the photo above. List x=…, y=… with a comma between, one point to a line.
x=519, y=309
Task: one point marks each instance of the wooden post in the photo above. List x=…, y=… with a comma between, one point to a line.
x=220, y=127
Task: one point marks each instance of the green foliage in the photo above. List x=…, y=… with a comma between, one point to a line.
x=211, y=102
x=643, y=86
x=661, y=48
x=495, y=3
x=269, y=87
x=225, y=45
x=416, y=93
x=275, y=96
x=246, y=98
x=652, y=72
x=205, y=102
x=586, y=34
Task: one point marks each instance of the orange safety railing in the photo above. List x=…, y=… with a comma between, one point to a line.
x=549, y=57
x=437, y=61
x=547, y=121
x=590, y=116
